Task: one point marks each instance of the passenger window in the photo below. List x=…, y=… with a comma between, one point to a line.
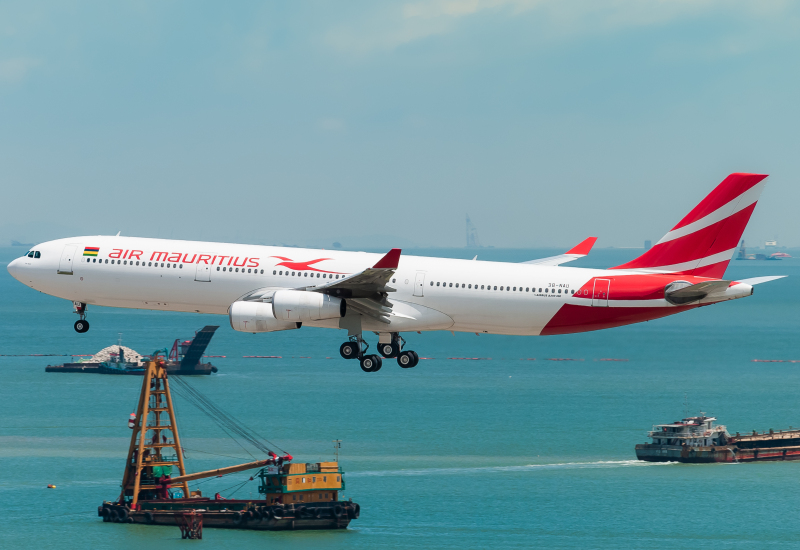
x=317, y=275
x=94, y=260
x=262, y=272
x=527, y=288
x=515, y=288
x=559, y=291
x=572, y=292
x=451, y=285
x=247, y=271
x=501, y=288
x=540, y=290
x=495, y=288
x=431, y=283
x=217, y=268
x=437, y=284
x=470, y=286
x=545, y=290
x=456, y=285
x=481, y=287
x=112, y=262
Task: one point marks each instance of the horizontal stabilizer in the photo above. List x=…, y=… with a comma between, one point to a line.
x=758, y=280
x=573, y=253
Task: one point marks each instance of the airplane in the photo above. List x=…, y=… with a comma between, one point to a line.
x=268, y=289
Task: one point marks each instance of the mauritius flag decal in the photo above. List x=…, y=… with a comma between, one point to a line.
x=91, y=250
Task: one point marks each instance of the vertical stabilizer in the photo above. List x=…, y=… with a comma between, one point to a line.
x=704, y=241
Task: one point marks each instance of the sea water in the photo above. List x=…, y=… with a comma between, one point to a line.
x=512, y=451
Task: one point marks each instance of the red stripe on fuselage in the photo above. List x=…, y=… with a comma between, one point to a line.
x=730, y=188
x=637, y=287
x=571, y=318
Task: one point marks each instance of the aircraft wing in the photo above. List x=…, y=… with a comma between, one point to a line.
x=366, y=290
x=573, y=253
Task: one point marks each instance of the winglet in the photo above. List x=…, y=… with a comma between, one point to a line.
x=583, y=248
x=390, y=261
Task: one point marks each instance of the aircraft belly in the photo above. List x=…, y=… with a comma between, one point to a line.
x=408, y=316
x=501, y=314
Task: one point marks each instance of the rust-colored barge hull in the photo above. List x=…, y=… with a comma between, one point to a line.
x=236, y=514
x=695, y=455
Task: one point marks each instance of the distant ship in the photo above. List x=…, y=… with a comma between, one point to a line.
x=743, y=255
x=698, y=439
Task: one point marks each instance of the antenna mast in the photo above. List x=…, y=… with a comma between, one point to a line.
x=337, y=444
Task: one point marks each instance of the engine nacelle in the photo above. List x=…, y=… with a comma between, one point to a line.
x=300, y=306
x=256, y=317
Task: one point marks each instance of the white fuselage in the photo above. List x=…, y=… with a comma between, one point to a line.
x=430, y=293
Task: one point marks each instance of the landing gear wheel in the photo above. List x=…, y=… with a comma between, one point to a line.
x=81, y=325
x=371, y=363
x=389, y=350
x=348, y=350
x=408, y=359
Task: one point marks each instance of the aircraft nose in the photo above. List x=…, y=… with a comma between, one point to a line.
x=15, y=268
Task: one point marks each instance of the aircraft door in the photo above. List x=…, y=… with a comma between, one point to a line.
x=600, y=292
x=65, y=263
x=203, y=273
x=419, y=284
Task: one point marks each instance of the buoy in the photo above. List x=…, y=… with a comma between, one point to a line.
x=49, y=486
x=132, y=421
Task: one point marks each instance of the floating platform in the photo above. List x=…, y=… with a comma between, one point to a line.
x=184, y=359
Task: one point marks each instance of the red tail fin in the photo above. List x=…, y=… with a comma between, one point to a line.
x=704, y=241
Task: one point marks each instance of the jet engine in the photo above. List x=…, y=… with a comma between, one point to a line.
x=257, y=317
x=299, y=305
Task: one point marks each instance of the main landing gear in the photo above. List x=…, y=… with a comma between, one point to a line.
x=390, y=347
x=81, y=325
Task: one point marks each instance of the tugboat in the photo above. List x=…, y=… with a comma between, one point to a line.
x=295, y=496
x=698, y=440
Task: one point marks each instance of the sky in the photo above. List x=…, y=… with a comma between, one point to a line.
x=385, y=123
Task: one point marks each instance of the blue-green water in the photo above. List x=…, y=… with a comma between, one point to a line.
x=452, y=454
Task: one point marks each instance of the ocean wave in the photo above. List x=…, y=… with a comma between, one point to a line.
x=522, y=468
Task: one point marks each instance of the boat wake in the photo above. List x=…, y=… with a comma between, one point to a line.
x=522, y=468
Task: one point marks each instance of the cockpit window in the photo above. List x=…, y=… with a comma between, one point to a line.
x=37, y=254
x=30, y=254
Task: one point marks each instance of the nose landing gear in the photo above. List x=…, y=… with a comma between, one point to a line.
x=81, y=325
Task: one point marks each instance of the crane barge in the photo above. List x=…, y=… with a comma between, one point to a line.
x=292, y=495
